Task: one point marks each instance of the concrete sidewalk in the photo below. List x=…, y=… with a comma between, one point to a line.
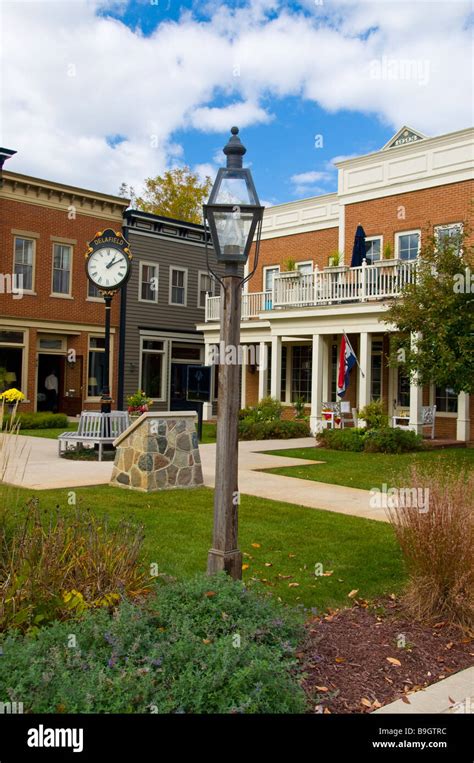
x=451, y=695
x=33, y=462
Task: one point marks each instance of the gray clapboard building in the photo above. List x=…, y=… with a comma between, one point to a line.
x=164, y=300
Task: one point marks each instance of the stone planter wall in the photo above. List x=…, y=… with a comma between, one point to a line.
x=158, y=451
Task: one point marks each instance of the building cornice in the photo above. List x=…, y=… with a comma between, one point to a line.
x=31, y=190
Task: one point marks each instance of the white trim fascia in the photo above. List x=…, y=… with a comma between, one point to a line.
x=431, y=142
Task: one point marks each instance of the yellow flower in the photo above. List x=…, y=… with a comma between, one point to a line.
x=12, y=395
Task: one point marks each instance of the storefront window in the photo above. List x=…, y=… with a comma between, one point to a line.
x=152, y=368
x=96, y=374
x=301, y=373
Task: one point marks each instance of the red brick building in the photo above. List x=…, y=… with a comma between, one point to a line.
x=52, y=320
x=296, y=312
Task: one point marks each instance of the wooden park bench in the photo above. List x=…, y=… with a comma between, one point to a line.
x=95, y=428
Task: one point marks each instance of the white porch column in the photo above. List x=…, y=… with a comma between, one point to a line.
x=207, y=407
x=365, y=351
x=262, y=370
x=275, y=381
x=416, y=398
x=243, y=377
x=325, y=394
x=316, y=382
x=463, y=423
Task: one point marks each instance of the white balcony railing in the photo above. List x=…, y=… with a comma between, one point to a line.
x=325, y=287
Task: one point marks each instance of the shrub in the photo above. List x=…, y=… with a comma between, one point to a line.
x=55, y=565
x=273, y=430
x=206, y=645
x=299, y=408
x=40, y=420
x=392, y=441
x=438, y=547
x=342, y=439
x=371, y=441
x=268, y=409
x=374, y=416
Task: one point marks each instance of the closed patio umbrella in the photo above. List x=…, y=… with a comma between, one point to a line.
x=358, y=251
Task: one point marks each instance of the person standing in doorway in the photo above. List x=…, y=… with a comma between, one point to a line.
x=51, y=385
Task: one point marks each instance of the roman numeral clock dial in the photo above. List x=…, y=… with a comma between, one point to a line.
x=108, y=261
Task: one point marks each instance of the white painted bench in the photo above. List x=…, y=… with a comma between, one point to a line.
x=95, y=428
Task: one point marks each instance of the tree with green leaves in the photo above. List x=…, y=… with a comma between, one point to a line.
x=178, y=193
x=439, y=310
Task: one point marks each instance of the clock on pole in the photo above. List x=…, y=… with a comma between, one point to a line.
x=108, y=267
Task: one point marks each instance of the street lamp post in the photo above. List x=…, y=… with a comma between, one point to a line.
x=234, y=216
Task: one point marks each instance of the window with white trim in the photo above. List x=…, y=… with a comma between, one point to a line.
x=373, y=248
x=152, y=367
x=178, y=283
x=92, y=290
x=449, y=234
x=148, y=282
x=376, y=375
x=62, y=262
x=305, y=268
x=24, y=262
x=205, y=286
x=446, y=400
x=408, y=245
x=269, y=274
x=96, y=366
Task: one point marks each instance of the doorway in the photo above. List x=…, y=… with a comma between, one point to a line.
x=50, y=382
x=179, y=389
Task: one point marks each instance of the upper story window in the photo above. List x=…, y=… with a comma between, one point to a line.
x=373, y=249
x=62, y=263
x=24, y=263
x=268, y=276
x=92, y=290
x=205, y=286
x=148, y=282
x=408, y=245
x=449, y=234
x=178, y=285
x=305, y=268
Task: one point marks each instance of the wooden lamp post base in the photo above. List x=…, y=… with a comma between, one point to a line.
x=225, y=561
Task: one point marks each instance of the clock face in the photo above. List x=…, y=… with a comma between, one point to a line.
x=108, y=268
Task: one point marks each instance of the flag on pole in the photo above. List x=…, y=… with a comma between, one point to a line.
x=347, y=360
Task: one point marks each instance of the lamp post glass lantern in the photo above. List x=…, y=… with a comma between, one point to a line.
x=234, y=216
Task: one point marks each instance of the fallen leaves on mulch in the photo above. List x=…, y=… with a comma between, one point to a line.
x=358, y=659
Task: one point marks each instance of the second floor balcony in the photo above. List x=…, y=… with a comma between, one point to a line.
x=331, y=286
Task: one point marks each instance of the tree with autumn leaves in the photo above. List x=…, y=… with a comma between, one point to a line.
x=439, y=310
x=178, y=193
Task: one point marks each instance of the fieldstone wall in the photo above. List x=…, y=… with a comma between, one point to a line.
x=159, y=451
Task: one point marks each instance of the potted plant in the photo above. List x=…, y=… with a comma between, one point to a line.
x=289, y=269
x=137, y=404
x=335, y=262
x=387, y=256
x=12, y=397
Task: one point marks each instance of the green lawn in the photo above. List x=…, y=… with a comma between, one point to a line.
x=208, y=432
x=361, y=554
x=366, y=470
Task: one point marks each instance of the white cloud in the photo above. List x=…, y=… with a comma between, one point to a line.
x=77, y=78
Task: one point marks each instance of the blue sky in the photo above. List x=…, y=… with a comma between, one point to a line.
x=124, y=89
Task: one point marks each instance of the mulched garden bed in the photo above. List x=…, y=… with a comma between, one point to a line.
x=356, y=660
